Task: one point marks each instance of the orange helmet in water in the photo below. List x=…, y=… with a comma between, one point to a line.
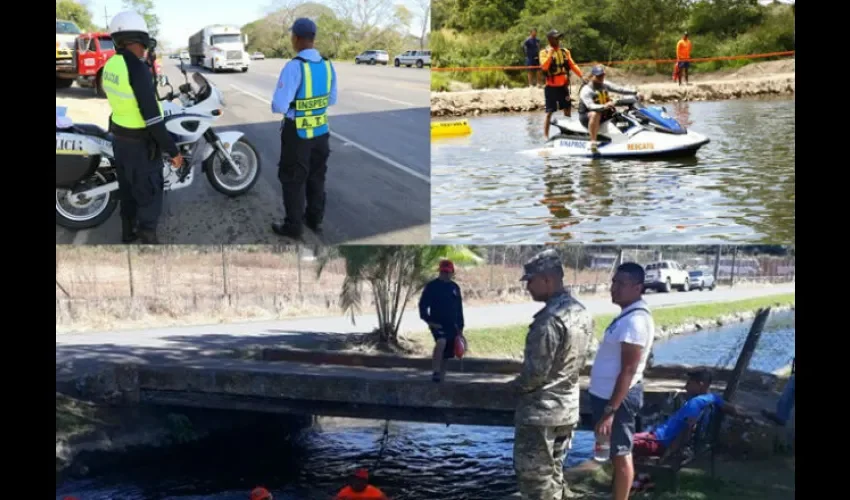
x=260, y=493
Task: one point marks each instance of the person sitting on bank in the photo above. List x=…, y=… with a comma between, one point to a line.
x=360, y=489
x=655, y=442
x=595, y=106
x=260, y=493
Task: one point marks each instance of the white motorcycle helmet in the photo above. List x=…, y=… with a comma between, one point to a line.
x=129, y=26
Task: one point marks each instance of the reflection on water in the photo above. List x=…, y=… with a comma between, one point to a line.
x=420, y=462
x=739, y=188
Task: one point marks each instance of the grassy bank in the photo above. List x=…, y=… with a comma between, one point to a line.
x=491, y=33
x=772, y=479
x=509, y=341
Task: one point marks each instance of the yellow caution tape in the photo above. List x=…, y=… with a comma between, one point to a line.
x=448, y=129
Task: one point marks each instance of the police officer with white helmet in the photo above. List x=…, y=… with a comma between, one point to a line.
x=138, y=128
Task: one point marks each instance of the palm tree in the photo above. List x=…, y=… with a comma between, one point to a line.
x=394, y=274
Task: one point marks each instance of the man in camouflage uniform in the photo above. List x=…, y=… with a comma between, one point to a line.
x=555, y=351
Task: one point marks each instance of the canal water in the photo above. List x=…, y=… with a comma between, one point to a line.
x=739, y=188
x=420, y=461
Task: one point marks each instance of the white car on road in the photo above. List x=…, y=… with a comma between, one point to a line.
x=413, y=57
x=372, y=57
x=258, y=56
x=665, y=275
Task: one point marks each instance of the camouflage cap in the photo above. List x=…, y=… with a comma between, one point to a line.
x=540, y=263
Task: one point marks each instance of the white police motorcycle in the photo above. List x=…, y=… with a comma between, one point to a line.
x=86, y=181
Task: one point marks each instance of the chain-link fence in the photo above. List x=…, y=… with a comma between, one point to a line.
x=290, y=271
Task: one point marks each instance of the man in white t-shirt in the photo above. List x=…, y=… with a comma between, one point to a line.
x=616, y=388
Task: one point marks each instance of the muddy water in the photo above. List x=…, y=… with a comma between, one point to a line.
x=420, y=461
x=738, y=188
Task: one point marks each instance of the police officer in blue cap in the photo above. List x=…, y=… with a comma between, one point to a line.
x=306, y=88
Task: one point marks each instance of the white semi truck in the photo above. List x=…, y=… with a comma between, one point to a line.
x=219, y=47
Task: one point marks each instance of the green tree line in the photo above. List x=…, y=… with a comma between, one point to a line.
x=345, y=30
x=491, y=32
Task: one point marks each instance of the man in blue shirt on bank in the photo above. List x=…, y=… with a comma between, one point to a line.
x=441, y=306
x=655, y=442
x=306, y=88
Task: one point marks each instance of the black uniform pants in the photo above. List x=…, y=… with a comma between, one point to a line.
x=301, y=171
x=140, y=181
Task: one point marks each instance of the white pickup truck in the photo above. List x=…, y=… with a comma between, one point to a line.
x=665, y=275
x=409, y=58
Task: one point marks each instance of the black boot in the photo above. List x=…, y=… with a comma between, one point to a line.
x=313, y=225
x=148, y=237
x=287, y=230
x=128, y=231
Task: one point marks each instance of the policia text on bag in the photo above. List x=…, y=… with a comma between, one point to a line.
x=137, y=125
x=306, y=88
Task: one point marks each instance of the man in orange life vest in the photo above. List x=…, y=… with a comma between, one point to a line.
x=683, y=57
x=556, y=63
x=360, y=489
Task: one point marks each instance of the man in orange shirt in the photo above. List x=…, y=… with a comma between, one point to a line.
x=683, y=56
x=556, y=63
x=360, y=489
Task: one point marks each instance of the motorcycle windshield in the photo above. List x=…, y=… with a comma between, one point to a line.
x=200, y=80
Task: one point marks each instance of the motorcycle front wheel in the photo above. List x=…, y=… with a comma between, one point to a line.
x=224, y=179
x=73, y=213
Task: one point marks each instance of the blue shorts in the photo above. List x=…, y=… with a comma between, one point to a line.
x=532, y=61
x=623, y=428
x=445, y=333
x=684, y=64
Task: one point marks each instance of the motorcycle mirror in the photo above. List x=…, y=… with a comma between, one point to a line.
x=182, y=69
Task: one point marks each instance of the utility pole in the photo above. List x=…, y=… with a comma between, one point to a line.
x=105, y=19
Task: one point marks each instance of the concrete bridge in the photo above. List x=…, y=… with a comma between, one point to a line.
x=328, y=383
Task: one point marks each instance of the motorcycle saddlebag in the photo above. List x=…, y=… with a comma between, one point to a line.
x=77, y=158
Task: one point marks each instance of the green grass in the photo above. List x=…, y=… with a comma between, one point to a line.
x=772, y=479
x=510, y=340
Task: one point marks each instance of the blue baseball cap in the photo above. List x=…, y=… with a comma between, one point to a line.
x=597, y=70
x=304, y=28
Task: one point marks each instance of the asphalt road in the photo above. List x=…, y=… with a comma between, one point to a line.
x=378, y=183
x=197, y=338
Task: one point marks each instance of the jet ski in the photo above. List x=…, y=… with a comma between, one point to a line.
x=638, y=131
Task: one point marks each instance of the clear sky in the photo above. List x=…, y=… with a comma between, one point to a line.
x=181, y=18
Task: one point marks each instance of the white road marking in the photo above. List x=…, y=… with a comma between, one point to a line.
x=361, y=147
x=373, y=96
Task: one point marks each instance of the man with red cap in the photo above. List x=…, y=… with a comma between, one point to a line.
x=260, y=493
x=441, y=306
x=360, y=489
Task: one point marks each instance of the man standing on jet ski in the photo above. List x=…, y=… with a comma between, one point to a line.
x=594, y=104
x=556, y=63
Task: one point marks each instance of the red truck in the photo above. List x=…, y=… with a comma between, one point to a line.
x=91, y=51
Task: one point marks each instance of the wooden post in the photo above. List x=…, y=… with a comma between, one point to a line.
x=298, y=260
x=130, y=272
x=734, y=259
x=492, y=265
x=224, y=277
x=746, y=355
x=717, y=263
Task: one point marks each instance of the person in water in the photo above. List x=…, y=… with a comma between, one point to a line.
x=360, y=489
x=260, y=493
x=594, y=104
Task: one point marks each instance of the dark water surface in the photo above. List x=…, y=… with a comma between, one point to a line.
x=420, y=461
x=739, y=188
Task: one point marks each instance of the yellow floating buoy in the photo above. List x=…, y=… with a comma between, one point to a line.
x=450, y=129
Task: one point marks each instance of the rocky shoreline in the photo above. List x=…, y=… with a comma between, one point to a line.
x=491, y=101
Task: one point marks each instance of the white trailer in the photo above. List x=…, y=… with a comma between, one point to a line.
x=218, y=47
